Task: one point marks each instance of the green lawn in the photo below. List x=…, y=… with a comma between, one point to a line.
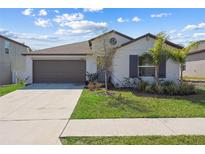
x=126, y=104
x=9, y=88
x=134, y=140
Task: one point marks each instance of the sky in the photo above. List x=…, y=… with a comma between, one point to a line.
x=42, y=28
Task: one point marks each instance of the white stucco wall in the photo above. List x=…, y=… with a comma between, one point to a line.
x=91, y=64
x=120, y=67
x=101, y=44
x=28, y=72
x=98, y=43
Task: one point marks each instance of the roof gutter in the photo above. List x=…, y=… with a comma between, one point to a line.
x=35, y=54
x=6, y=38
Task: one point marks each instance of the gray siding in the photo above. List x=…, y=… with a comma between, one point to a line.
x=12, y=62
x=195, y=65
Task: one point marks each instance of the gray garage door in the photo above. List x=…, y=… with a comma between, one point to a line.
x=59, y=71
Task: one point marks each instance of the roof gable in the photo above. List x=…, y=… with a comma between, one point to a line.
x=151, y=36
x=112, y=31
x=6, y=38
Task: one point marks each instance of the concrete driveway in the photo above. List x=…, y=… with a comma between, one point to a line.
x=37, y=114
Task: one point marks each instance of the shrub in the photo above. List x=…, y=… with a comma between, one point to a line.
x=92, y=77
x=159, y=89
x=127, y=82
x=94, y=86
x=21, y=81
x=130, y=82
x=170, y=89
x=141, y=85
x=178, y=89
x=91, y=86
x=149, y=89
x=167, y=83
x=186, y=89
x=167, y=88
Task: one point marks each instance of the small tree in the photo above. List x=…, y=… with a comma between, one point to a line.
x=180, y=55
x=157, y=53
x=104, y=55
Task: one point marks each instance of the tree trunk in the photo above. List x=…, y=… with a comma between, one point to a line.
x=106, y=87
x=181, y=73
x=105, y=64
x=157, y=76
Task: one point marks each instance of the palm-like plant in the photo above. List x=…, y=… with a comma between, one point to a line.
x=180, y=55
x=157, y=53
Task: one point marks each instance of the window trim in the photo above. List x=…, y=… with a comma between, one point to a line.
x=145, y=66
x=6, y=51
x=7, y=47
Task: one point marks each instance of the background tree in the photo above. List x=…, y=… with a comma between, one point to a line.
x=180, y=55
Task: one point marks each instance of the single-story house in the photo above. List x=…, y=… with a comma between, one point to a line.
x=70, y=62
x=11, y=59
x=195, y=62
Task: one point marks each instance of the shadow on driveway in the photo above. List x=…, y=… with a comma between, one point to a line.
x=53, y=86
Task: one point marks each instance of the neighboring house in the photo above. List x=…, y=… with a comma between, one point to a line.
x=195, y=62
x=69, y=63
x=11, y=59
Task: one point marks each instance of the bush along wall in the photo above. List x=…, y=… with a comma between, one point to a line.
x=165, y=88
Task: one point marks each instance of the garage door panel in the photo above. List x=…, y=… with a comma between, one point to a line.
x=59, y=71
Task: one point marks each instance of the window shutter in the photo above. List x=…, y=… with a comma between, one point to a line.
x=134, y=60
x=162, y=68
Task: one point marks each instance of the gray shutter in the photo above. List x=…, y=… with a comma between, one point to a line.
x=133, y=66
x=162, y=68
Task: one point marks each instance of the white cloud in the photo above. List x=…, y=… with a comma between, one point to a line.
x=42, y=22
x=121, y=20
x=28, y=12
x=184, y=39
x=85, y=24
x=63, y=19
x=28, y=36
x=199, y=35
x=136, y=19
x=72, y=31
x=194, y=27
x=180, y=38
x=172, y=31
x=42, y=12
x=56, y=11
x=160, y=15
x=93, y=9
x=83, y=28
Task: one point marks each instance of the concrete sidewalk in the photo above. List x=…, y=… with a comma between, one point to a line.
x=134, y=127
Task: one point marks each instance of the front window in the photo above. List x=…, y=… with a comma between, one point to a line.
x=146, y=67
x=7, y=46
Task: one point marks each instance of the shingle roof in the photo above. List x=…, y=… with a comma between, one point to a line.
x=196, y=51
x=83, y=48
x=154, y=37
x=4, y=37
x=80, y=48
x=200, y=48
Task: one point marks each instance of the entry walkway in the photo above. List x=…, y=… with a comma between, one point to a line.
x=134, y=127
